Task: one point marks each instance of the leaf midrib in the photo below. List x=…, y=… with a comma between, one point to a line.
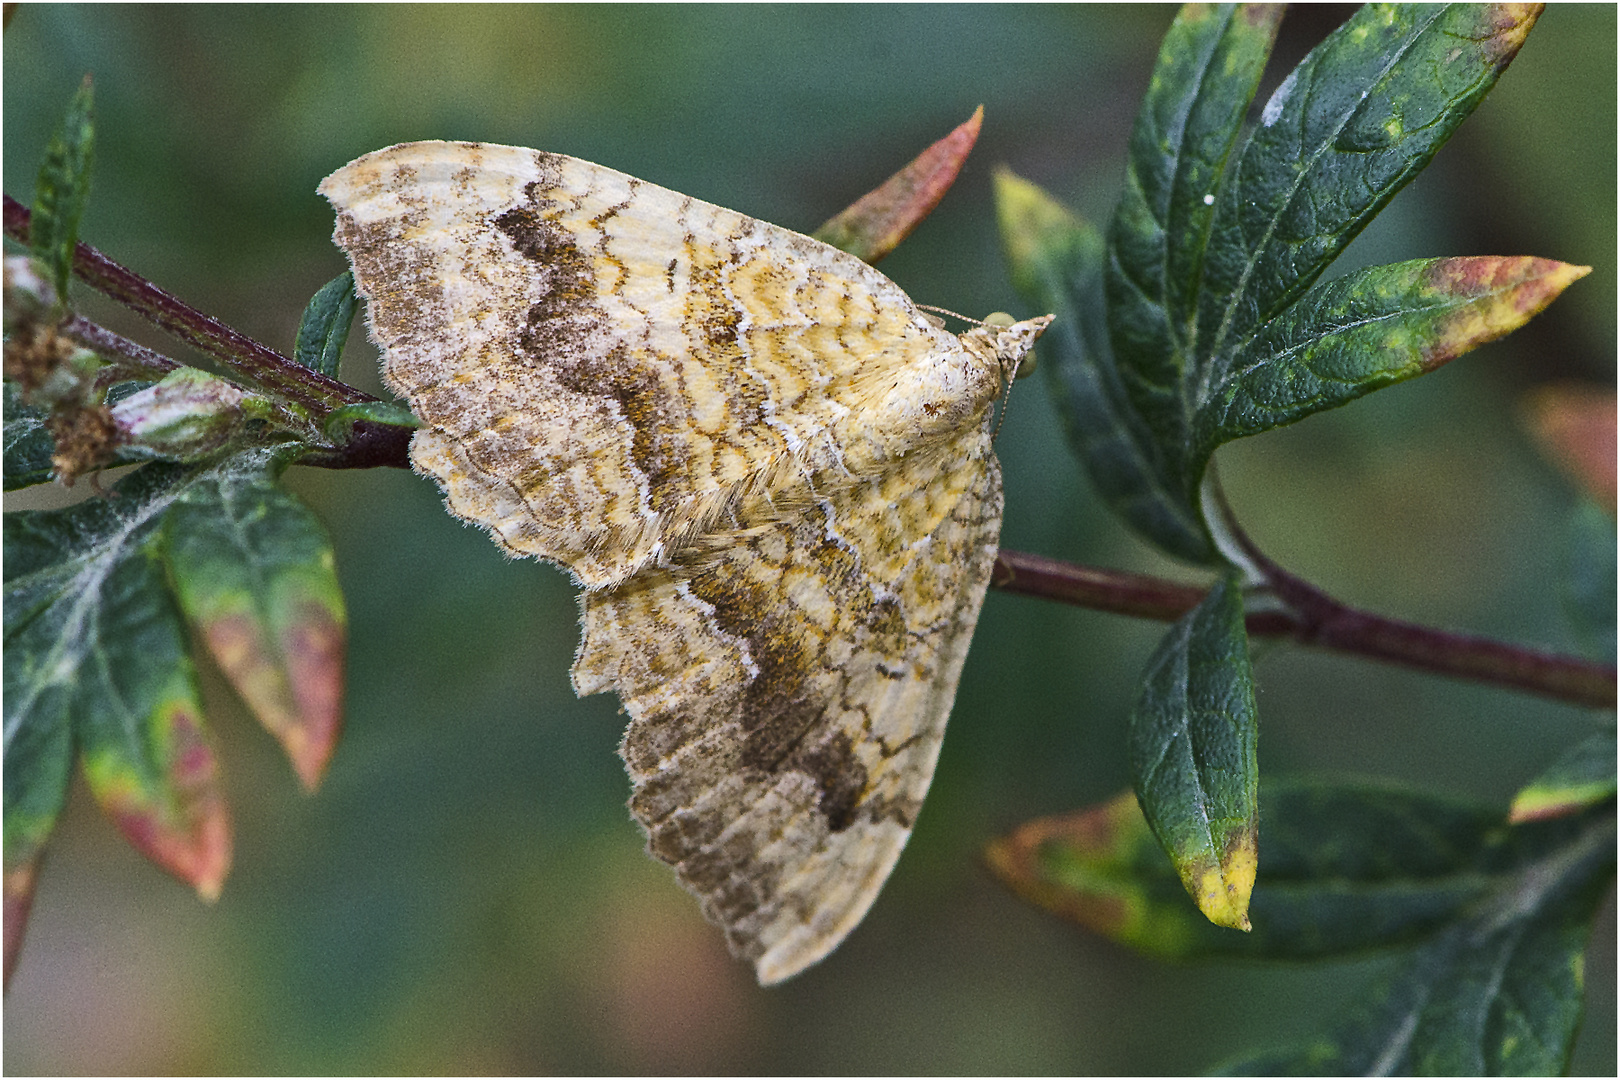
x=1205, y=388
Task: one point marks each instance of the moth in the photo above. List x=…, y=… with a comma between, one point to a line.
x=769, y=471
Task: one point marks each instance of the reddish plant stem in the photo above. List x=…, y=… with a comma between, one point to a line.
x=1116, y=591
x=369, y=445
x=141, y=360
x=1312, y=617
x=261, y=364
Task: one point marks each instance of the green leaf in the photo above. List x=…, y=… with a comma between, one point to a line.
x=1208, y=249
x=1057, y=264
x=325, y=325
x=1208, y=67
x=1348, y=867
x=61, y=190
x=341, y=420
x=95, y=657
x=1366, y=330
x=1193, y=764
x=1583, y=775
x=1589, y=590
x=1497, y=993
x=28, y=443
x=37, y=761
x=1352, y=125
x=253, y=571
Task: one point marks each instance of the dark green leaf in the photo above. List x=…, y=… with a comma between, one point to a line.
x=1589, y=592
x=28, y=444
x=1366, y=330
x=1346, y=868
x=95, y=653
x=1205, y=250
x=1497, y=993
x=325, y=325
x=37, y=761
x=254, y=573
x=61, y=191
x=1192, y=741
x=1208, y=67
x=1584, y=774
x=340, y=421
x=1359, y=118
x=1057, y=263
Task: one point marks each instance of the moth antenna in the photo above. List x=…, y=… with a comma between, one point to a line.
x=1006, y=398
x=948, y=311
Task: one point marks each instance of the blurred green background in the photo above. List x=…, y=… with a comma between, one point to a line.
x=466, y=893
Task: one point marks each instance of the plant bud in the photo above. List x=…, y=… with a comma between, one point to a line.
x=188, y=414
x=28, y=296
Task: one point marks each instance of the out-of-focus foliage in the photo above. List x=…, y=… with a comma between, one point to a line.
x=467, y=894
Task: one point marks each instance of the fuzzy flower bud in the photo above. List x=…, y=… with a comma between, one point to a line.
x=188, y=414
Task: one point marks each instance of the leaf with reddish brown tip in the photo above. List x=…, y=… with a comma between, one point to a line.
x=19, y=888
x=96, y=657
x=253, y=571
x=1574, y=426
x=158, y=779
x=1349, y=867
x=876, y=223
x=1366, y=330
x=1102, y=868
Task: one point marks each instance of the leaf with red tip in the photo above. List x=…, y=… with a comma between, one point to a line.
x=1219, y=236
x=254, y=572
x=95, y=655
x=156, y=776
x=1102, y=868
x=19, y=888
x=876, y=223
x=1366, y=330
x=1574, y=426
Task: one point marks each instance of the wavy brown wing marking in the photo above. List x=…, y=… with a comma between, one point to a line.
x=788, y=702
x=601, y=363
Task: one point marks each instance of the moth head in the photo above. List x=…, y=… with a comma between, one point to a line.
x=1011, y=342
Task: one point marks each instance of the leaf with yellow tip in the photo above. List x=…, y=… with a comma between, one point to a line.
x=1192, y=741
x=1583, y=775
x=1348, y=867
x=1056, y=260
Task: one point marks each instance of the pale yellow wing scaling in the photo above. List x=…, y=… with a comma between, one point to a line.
x=772, y=473
x=603, y=365
x=787, y=706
